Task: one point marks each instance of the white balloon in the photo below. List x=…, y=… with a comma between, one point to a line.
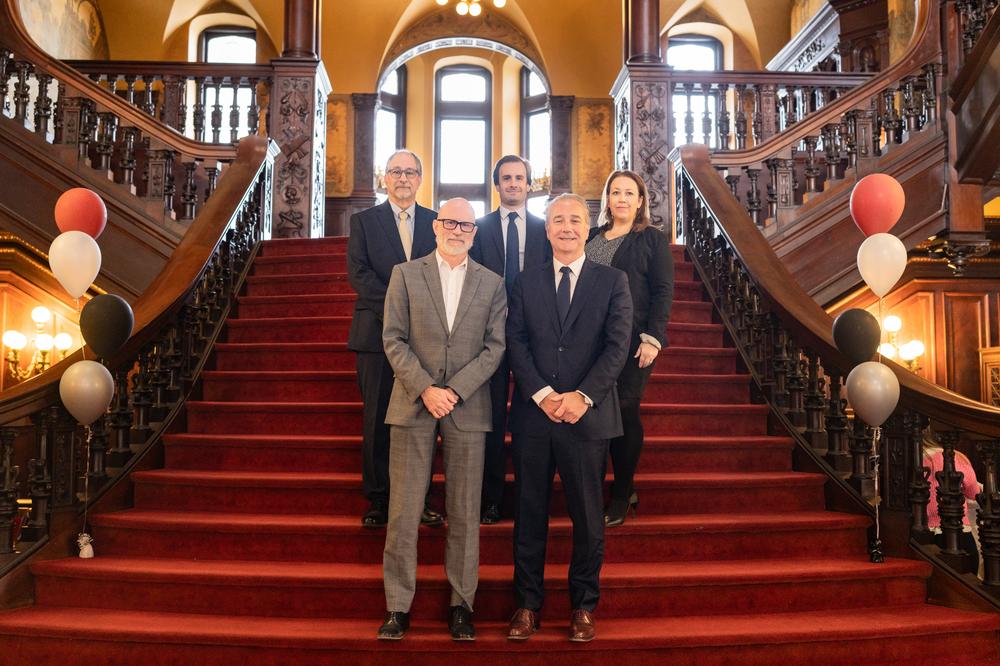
x=881, y=260
x=873, y=391
x=75, y=260
x=86, y=389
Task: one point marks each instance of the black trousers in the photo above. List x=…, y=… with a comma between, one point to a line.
x=581, y=467
x=625, y=450
x=375, y=382
x=495, y=463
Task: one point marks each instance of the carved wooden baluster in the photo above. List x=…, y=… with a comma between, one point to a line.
x=989, y=512
x=920, y=486
x=43, y=105
x=723, y=119
x=253, y=111
x=831, y=150
x=189, y=191
x=741, y=118
x=22, y=91
x=688, y=116
x=234, y=110
x=705, y=90
x=861, y=478
x=796, y=382
x=170, y=106
x=756, y=127
x=39, y=479
x=753, y=195
x=929, y=93
x=779, y=364
x=951, y=501
x=771, y=188
x=148, y=105
x=756, y=350
x=890, y=120
x=141, y=398
x=812, y=171
x=130, y=80
x=99, y=442
x=910, y=108
x=159, y=177
x=6, y=70
x=815, y=403
x=733, y=180
x=106, y=133
x=173, y=360
x=212, y=172
x=157, y=382
x=198, y=116
x=837, y=454
x=120, y=421
x=127, y=161
x=847, y=134
x=8, y=490
x=217, y=111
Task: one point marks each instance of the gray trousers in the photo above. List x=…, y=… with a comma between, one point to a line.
x=411, y=453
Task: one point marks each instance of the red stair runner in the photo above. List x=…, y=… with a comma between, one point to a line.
x=247, y=546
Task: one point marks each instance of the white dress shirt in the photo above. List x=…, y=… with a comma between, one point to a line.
x=522, y=229
x=452, y=280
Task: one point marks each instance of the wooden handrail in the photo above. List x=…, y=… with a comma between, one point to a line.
x=924, y=47
x=15, y=37
x=168, y=290
x=167, y=68
x=785, y=79
x=804, y=317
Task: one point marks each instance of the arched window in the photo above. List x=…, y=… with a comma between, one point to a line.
x=699, y=53
x=536, y=128
x=390, y=119
x=462, y=139
x=226, y=45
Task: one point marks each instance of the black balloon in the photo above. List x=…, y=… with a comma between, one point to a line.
x=856, y=333
x=106, y=324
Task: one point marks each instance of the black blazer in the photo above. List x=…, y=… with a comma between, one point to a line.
x=373, y=248
x=488, y=247
x=587, y=353
x=645, y=257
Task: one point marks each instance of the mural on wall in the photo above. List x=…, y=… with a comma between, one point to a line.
x=66, y=29
x=902, y=20
x=338, y=147
x=594, y=147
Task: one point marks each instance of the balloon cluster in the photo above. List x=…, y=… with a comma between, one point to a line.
x=106, y=321
x=877, y=203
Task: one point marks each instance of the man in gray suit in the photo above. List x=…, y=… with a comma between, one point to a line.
x=444, y=337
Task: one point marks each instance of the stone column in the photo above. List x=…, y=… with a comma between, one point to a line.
x=364, y=145
x=562, y=139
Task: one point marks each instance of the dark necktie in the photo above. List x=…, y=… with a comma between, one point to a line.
x=562, y=295
x=512, y=263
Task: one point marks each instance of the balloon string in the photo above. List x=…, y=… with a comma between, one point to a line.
x=880, y=328
x=876, y=438
x=86, y=479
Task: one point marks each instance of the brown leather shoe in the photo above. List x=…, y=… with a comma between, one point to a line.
x=581, y=626
x=523, y=625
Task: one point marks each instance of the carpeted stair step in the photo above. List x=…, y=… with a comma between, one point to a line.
x=288, y=356
x=318, y=589
x=688, y=290
x=340, y=493
x=703, y=389
x=288, y=329
x=213, y=535
x=298, y=283
x=281, y=386
x=684, y=270
x=701, y=419
x=677, y=252
x=263, y=418
x=342, y=453
x=915, y=634
x=697, y=360
x=693, y=311
x=299, y=305
x=685, y=334
x=332, y=262
x=282, y=247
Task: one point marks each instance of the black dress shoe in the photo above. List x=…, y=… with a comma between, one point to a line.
x=395, y=626
x=431, y=518
x=618, y=510
x=460, y=624
x=491, y=514
x=377, y=514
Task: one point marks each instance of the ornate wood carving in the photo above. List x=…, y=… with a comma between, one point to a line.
x=814, y=43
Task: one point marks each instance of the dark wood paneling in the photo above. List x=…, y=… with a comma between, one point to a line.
x=965, y=327
x=339, y=211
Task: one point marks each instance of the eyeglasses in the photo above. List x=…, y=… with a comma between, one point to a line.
x=399, y=173
x=451, y=225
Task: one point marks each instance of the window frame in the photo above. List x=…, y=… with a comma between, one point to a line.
x=532, y=105
x=396, y=103
x=697, y=39
x=448, y=110
x=223, y=31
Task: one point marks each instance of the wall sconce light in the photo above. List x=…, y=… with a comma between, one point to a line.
x=42, y=345
x=908, y=352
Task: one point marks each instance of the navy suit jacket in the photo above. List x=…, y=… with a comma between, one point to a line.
x=373, y=248
x=586, y=353
x=489, y=250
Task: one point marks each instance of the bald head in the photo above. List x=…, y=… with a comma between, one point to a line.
x=454, y=243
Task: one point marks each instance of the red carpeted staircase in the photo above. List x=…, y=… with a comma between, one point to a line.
x=247, y=546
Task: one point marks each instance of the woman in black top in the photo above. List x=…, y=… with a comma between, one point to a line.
x=623, y=238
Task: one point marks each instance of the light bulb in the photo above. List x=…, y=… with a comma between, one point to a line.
x=911, y=350
x=462, y=8
x=43, y=342
x=442, y=2
x=14, y=340
x=892, y=324
x=887, y=349
x=499, y=4
x=63, y=341
x=41, y=315
x=475, y=9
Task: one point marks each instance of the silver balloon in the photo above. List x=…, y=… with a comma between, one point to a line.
x=873, y=391
x=86, y=389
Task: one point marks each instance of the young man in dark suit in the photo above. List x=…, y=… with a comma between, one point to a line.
x=568, y=331
x=508, y=241
x=382, y=236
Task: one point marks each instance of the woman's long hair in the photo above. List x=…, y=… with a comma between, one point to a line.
x=642, y=220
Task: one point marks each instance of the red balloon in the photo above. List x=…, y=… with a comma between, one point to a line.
x=80, y=209
x=877, y=202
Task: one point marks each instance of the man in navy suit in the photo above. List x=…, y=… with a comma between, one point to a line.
x=508, y=241
x=568, y=331
x=391, y=233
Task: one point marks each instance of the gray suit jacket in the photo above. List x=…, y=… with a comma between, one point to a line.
x=423, y=352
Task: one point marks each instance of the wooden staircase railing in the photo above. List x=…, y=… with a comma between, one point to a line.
x=44, y=453
x=975, y=96
x=784, y=339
